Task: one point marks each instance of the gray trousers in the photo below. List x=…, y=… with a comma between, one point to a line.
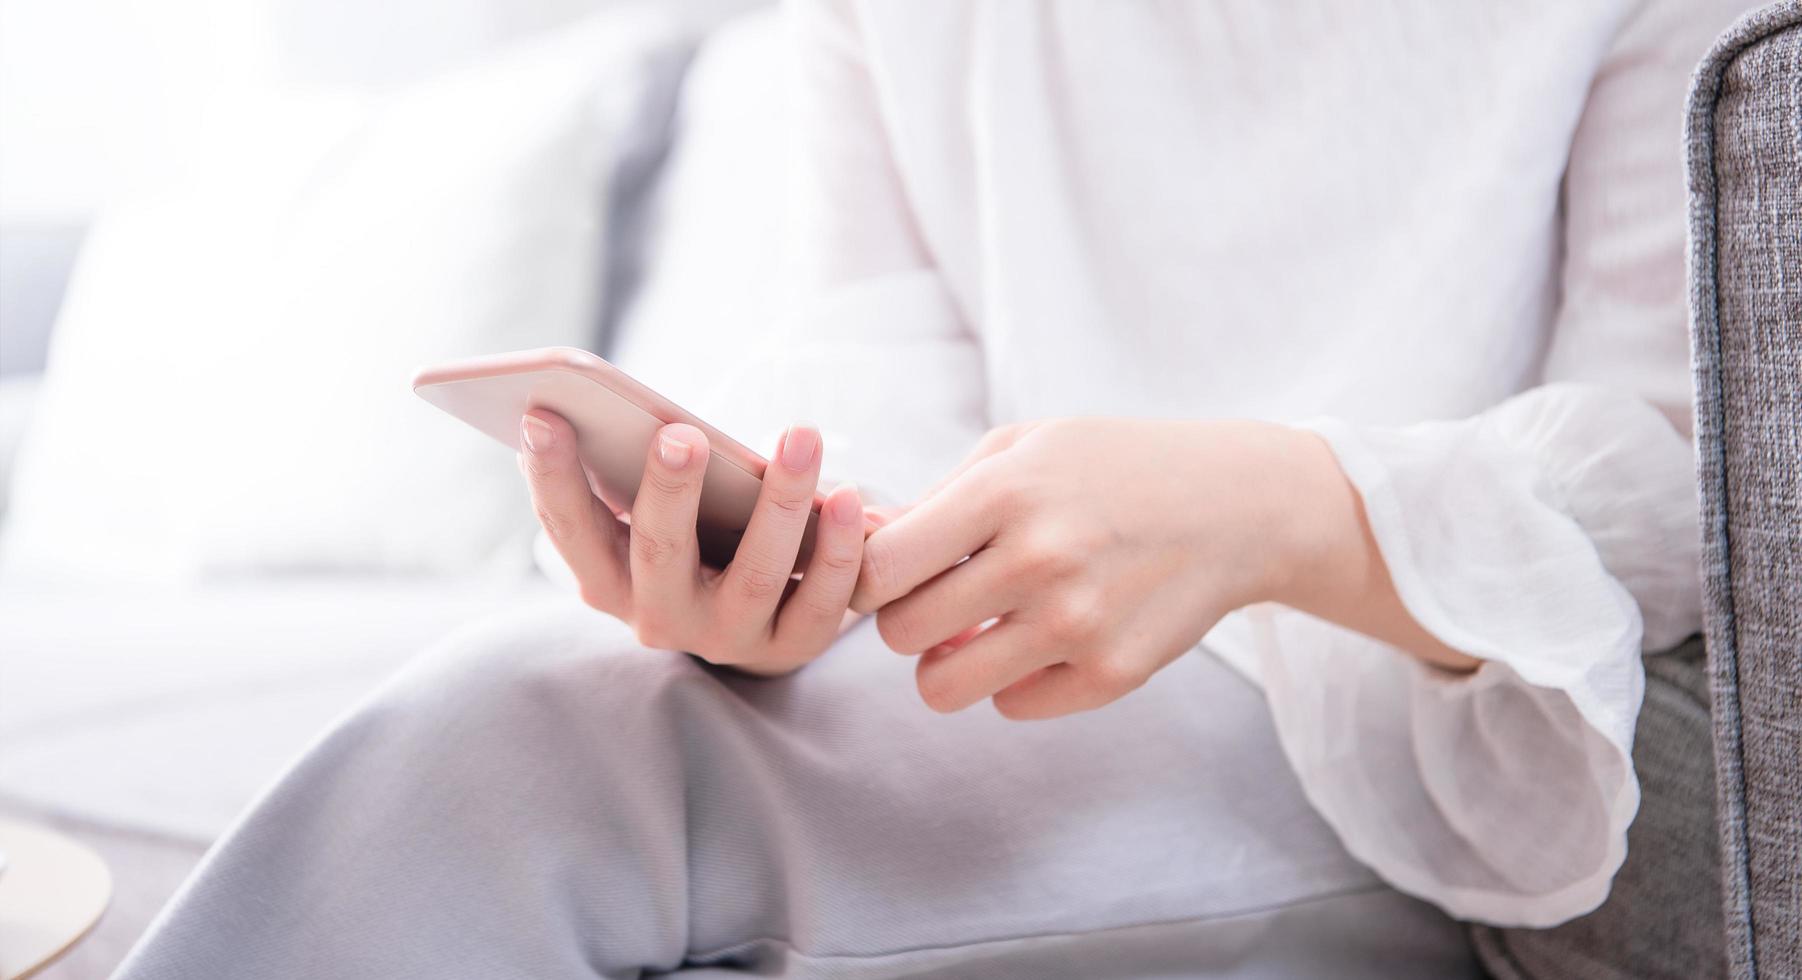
x=540, y=797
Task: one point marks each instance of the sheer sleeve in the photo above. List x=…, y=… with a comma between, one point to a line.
x=1553, y=536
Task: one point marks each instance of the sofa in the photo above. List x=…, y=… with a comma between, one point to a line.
x=1745, y=179
x=1712, y=883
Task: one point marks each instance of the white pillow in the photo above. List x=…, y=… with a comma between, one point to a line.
x=18, y=394
x=227, y=388
x=717, y=218
x=707, y=303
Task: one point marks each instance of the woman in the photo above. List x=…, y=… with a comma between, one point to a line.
x=1340, y=483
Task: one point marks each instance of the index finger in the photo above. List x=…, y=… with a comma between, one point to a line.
x=935, y=535
x=665, y=556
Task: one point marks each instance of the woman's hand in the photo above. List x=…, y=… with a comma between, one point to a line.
x=649, y=572
x=1102, y=549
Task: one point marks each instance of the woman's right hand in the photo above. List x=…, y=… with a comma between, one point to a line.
x=648, y=573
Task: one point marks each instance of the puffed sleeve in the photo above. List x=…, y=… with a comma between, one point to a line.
x=1553, y=537
x=871, y=343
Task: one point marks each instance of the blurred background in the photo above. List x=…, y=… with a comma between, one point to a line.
x=229, y=231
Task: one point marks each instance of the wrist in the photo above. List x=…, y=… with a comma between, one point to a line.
x=1329, y=564
x=1317, y=539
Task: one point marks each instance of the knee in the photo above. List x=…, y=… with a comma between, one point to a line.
x=511, y=743
x=548, y=680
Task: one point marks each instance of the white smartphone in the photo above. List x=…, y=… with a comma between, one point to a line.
x=615, y=418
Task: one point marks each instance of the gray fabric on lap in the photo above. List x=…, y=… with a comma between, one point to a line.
x=1745, y=152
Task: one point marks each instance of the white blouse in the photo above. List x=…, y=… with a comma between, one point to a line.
x=1447, y=237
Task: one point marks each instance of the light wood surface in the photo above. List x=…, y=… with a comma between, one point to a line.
x=52, y=891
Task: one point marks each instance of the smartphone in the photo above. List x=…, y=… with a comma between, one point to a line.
x=615, y=418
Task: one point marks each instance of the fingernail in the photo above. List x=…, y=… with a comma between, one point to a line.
x=673, y=452
x=799, y=445
x=535, y=433
x=845, y=507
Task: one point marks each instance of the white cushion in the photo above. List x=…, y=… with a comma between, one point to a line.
x=18, y=393
x=167, y=712
x=716, y=218
x=227, y=388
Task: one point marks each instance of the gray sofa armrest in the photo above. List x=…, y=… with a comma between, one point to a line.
x=1745, y=177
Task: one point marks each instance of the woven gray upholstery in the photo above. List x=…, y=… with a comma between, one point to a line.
x=1745, y=169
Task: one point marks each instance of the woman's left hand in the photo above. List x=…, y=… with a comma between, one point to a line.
x=1099, y=550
